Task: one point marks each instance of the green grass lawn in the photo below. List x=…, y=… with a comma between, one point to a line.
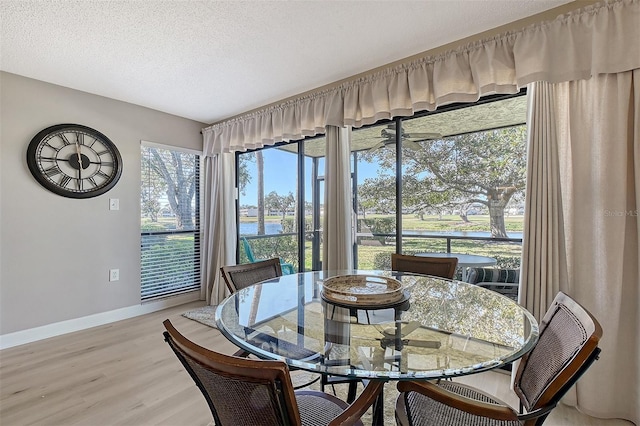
x=508, y=254
x=430, y=222
x=454, y=223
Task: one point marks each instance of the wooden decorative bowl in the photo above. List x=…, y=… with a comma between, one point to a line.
x=362, y=290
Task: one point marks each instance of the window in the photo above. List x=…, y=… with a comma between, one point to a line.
x=450, y=180
x=280, y=211
x=169, y=221
x=374, y=170
x=268, y=216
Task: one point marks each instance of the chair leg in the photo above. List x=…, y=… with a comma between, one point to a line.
x=351, y=394
x=378, y=410
x=323, y=382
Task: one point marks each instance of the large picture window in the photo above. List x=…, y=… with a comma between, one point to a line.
x=447, y=181
x=169, y=221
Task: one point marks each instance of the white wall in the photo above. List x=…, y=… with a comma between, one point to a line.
x=56, y=252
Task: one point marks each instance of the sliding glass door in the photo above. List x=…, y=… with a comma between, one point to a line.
x=280, y=203
x=451, y=180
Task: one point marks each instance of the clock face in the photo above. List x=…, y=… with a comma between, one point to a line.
x=74, y=161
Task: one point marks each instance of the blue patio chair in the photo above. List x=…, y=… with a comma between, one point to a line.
x=287, y=268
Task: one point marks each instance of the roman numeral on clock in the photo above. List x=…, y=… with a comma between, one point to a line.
x=64, y=181
x=52, y=171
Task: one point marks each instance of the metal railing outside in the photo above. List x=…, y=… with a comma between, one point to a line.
x=375, y=253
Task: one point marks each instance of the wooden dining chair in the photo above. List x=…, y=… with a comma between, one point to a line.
x=237, y=277
x=566, y=348
x=444, y=267
x=242, y=391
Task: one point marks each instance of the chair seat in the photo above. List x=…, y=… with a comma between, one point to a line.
x=318, y=408
x=428, y=412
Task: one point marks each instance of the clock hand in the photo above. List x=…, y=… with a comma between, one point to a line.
x=79, y=161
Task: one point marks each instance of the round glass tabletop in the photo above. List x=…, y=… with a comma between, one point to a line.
x=440, y=328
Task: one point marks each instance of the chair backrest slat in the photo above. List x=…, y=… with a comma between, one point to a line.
x=444, y=267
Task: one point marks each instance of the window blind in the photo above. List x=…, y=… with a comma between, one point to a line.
x=170, y=263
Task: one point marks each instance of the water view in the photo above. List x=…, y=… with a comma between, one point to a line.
x=251, y=228
x=274, y=228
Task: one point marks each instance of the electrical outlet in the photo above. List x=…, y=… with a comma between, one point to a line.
x=114, y=274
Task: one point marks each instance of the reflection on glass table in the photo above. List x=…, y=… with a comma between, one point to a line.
x=439, y=329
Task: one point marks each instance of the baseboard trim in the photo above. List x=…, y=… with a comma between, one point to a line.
x=22, y=337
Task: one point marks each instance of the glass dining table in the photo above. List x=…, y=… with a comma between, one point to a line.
x=439, y=328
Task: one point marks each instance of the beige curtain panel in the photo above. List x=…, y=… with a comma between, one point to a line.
x=337, y=246
x=582, y=230
x=219, y=225
x=575, y=46
x=544, y=265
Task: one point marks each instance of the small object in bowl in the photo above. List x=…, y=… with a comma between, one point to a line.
x=362, y=289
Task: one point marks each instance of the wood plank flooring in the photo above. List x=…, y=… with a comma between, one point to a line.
x=125, y=374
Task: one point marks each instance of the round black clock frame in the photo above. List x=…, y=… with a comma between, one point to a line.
x=74, y=161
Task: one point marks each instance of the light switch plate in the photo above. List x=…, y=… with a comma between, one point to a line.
x=114, y=204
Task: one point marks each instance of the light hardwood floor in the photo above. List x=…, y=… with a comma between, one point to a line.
x=125, y=374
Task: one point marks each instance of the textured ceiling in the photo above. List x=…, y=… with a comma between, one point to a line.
x=209, y=60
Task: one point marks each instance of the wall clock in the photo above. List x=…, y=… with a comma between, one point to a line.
x=74, y=161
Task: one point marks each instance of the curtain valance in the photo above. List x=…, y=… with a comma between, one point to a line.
x=598, y=39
